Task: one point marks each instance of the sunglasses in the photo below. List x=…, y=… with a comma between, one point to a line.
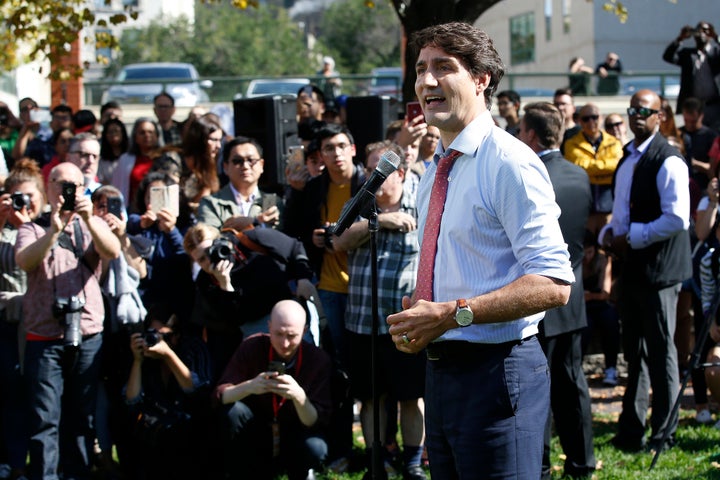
x=587, y=118
x=613, y=125
x=641, y=111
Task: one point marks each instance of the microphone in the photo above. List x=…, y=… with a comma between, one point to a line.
x=388, y=163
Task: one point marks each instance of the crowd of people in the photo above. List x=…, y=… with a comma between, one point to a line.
x=155, y=302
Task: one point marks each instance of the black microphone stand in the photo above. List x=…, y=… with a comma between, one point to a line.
x=694, y=364
x=368, y=209
x=376, y=461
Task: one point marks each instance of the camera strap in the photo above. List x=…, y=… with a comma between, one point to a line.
x=65, y=241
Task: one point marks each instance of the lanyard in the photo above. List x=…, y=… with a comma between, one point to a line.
x=277, y=404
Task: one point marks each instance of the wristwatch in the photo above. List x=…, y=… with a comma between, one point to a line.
x=463, y=314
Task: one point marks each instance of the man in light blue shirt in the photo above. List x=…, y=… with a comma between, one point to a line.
x=500, y=263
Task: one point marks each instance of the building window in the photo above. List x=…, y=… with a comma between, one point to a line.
x=522, y=38
x=566, y=15
x=548, y=20
x=130, y=3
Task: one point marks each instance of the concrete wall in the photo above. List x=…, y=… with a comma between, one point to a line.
x=651, y=26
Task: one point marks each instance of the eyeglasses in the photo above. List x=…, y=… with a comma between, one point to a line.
x=330, y=148
x=613, y=125
x=587, y=118
x=243, y=160
x=163, y=107
x=641, y=111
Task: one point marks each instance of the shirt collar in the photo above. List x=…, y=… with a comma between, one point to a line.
x=469, y=139
x=238, y=195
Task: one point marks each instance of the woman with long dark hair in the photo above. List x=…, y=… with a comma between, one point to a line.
x=200, y=148
x=114, y=141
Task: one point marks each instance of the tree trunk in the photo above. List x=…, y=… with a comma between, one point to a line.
x=415, y=15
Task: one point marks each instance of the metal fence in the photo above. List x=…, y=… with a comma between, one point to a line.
x=226, y=89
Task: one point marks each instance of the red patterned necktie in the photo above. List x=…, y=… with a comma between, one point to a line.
x=424, y=288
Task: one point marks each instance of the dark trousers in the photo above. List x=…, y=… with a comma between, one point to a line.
x=13, y=404
x=62, y=387
x=248, y=444
x=603, y=320
x=570, y=405
x=649, y=316
x=485, y=410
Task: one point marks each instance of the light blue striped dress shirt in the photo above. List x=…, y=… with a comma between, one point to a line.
x=500, y=222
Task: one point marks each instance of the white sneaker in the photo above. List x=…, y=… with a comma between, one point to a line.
x=703, y=416
x=610, y=376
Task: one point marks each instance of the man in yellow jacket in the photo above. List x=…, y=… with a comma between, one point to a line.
x=598, y=153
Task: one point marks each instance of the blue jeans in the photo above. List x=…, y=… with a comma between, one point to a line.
x=14, y=400
x=62, y=388
x=485, y=412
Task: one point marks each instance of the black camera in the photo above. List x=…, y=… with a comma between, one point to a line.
x=68, y=194
x=152, y=337
x=221, y=249
x=329, y=235
x=68, y=312
x=19, y=200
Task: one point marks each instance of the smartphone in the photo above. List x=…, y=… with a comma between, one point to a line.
x=268, y=200
x=296, y=157
x=115, y=206
x=165, y=197
x=276, y=366
x=40, y=115
x=68, y=194
x=413, y=109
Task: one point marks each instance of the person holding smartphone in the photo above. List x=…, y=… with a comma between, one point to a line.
x=243, y=163
x=274, y=420
x=699, y=65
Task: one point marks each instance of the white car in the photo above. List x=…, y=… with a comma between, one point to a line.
x=277, y=86
x=140, y=82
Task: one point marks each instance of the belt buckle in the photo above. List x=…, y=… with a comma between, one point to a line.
x=432, y=353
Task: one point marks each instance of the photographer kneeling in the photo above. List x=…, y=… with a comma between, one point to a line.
x=245, y=272
x=166, y=394
x=276, y=397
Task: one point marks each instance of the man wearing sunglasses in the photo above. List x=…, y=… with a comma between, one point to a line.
x=699, y=68
x=598, y=153
x=648, y=234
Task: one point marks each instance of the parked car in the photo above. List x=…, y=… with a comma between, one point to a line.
x=275, y=86
x=386, y=81
x=140, y=82
x=630, y=85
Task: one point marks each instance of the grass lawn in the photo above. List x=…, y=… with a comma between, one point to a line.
x=695, y=456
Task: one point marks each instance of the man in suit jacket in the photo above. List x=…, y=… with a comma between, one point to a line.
x=243, y=164
x=699, y=69
x=560, y=332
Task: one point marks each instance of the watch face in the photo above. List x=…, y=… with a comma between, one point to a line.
x=464, y=317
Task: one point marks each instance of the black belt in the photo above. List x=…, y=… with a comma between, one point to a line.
x=454, y=350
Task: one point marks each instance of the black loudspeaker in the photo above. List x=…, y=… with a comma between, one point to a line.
x=368, y=118
x=271, y=121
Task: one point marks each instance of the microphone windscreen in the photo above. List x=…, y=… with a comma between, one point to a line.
x=389, y=162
